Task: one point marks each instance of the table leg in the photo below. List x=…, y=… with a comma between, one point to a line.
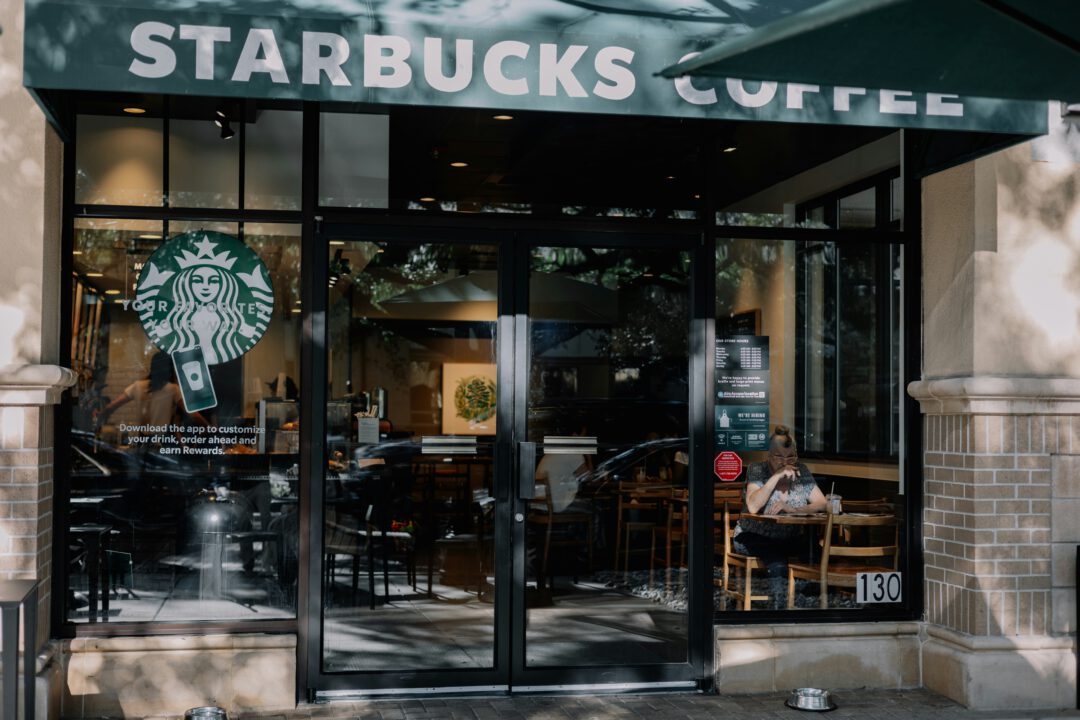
x=93, y=571
x=10, y=655
x=106, y=584
x=29, y=653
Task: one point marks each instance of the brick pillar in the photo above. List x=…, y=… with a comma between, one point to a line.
x=1001, y=522
x=27, y=394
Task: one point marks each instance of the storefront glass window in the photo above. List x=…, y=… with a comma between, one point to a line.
x=119, y=161
x=183, y=463
x=204, y=166
x=272, y=159
x=806, y=405
x=858, y=210
x=354, y=160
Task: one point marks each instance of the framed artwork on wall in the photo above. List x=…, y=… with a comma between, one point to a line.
x=468, y=392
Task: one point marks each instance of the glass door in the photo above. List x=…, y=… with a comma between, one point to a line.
x=603, y=514
x=410, y=582
x=506, y=496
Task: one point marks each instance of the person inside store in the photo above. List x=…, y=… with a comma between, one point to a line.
x=563, y=473
x=157, y=397
x=780, y=484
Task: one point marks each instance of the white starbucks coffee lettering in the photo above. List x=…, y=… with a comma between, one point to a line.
x=387, y=61
x=508, y=67
x=701, y=91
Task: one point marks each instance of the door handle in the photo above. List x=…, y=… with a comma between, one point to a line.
x=526, y=470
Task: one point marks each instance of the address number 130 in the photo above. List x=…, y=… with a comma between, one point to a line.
x=878, y=588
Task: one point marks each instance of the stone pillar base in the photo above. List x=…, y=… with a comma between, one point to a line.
x=135, y=677
x=770, y=658
x=984, y=673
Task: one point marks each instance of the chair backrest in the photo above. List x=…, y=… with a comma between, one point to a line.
x=340, y=535
x=880, y=505
x=641, y=496
x=731, y=513
x=860, y=545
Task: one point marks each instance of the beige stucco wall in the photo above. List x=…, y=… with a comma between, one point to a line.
x=30, y=202
x=1001, y=246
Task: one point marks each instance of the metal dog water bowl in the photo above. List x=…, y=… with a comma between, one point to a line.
x=811, y=699
x=207, y=712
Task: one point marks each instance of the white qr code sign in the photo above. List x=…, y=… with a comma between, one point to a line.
x=878, y=588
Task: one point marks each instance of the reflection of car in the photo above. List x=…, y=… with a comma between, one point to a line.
x=650, y=455
x=129, y=489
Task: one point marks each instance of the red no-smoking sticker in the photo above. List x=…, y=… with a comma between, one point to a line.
x=727, y=466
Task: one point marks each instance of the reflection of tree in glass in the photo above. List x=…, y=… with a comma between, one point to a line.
x=474, y=398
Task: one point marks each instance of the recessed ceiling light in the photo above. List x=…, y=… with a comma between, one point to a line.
x=95, y=274
x=427, y=199
x=76, y=252
x=459, y=164
x=670, y=177
x=379, y=250
x=337, y=242
x=296, y=310
x=149, y=236
x=697, y=196
x=112, y=292
x=119, y=301
x=297, y=302
x=646, y=274
x=502, y=117
x=133, y=110
x=731, y=148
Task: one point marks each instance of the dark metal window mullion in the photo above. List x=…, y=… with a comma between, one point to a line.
x=313, y=271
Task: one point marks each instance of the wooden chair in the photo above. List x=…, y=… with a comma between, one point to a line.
x=745, y=564
x=841, y=563
x=636, y=512
x=543, y=516
x=675, y=530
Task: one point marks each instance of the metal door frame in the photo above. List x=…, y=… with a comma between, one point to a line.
x=509, y=673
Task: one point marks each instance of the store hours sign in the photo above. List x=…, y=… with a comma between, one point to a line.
x=742, y=393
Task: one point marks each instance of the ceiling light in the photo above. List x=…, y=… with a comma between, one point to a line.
x=76, y=252
x=502, y=117
x=670, y=177
x=119, y=301
x=220, y=113
x=297, y=302
x=149, y=236
x=226, y=130
x=697, y=196
x=646, y=274
x=112, y=292
x=427, y=199
x=95, y=274
x=730, y=148
x=133, y=110
x=459, y=164
x=379, y=250
x=337, y=242
x=295, y=310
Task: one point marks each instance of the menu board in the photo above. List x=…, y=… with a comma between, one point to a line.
x=742, y=392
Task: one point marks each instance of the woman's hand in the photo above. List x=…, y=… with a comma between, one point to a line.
x=759, y=498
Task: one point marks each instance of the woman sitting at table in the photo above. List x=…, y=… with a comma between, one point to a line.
x=779, y=485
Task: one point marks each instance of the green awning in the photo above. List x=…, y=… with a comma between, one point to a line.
x=588, y=56
x=1022, y=49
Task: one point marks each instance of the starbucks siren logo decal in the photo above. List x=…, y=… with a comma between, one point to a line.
x=205, y=289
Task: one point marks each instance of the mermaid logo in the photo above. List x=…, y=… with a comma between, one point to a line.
x=205, y=289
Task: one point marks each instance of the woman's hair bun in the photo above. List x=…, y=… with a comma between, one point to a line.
x=782, y=430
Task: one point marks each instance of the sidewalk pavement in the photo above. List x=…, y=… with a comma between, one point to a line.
x=886, y=704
